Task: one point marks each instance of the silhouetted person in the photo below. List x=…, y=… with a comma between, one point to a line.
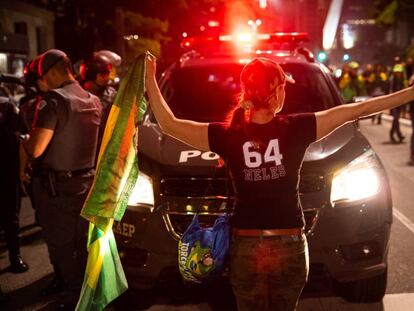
x=11, y=126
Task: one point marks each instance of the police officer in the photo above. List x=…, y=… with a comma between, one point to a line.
x=30, y=168
x=35, y=88
x=11, y=126
x=95, y=76
x=65, y=139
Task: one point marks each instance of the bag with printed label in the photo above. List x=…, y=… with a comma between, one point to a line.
x=203, y=252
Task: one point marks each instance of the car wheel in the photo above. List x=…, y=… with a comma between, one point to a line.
x=364, y=291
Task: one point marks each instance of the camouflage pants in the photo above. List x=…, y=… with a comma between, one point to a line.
x=268, y=273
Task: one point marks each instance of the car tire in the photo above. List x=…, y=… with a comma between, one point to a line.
x=364, y=291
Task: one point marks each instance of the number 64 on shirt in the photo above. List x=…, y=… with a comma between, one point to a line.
x=254, y=159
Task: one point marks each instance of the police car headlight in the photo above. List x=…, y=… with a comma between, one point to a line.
x=358, y=180
x=143, y=192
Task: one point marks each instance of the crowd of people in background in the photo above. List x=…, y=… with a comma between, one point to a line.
x=356, y=82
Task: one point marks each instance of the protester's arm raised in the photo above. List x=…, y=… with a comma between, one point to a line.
x=192, y=133
x=328, y=120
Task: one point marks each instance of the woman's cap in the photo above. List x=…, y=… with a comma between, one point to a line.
x=263, y=73
x=48, y=59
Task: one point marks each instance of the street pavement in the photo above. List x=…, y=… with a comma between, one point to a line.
x=24, y=289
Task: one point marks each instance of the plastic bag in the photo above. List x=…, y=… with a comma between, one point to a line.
x=203, y=252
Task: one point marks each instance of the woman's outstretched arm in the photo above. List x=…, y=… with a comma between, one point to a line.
x=192, y=133
x=328, y=120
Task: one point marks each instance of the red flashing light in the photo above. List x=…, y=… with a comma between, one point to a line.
x=213, y=24
x=290, y=36
x=246, y=39
x=263, y=4
x=271, y=37
x=192, y=42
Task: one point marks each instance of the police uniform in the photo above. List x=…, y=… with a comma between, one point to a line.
x=67, y=174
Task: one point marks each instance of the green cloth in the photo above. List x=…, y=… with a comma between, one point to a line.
x=116, y=174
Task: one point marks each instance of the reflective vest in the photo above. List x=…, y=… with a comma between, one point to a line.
x=74, y=142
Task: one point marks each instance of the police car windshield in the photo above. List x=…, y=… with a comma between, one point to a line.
x=207, y=93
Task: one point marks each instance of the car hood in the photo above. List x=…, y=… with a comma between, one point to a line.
x=166, y=150
x=330, y=143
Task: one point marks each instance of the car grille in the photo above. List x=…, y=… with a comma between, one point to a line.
x=196, y=187
x=220, y=187
x=180, y=222
x=178, y=218
x=311, y=183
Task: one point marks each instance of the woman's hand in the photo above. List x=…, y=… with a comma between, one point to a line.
x=150, y=67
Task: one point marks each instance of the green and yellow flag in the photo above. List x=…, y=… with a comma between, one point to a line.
x=116, y=174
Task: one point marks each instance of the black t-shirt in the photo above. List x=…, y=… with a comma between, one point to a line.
x=264, y=162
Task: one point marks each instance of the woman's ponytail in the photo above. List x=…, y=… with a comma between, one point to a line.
x=240, y=115
x=238, y=118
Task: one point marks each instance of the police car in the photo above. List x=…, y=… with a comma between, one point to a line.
x=344, y=188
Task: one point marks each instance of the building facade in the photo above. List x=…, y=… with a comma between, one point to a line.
x=26, y=30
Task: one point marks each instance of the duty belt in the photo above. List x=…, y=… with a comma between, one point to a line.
x=52, y=178
x=70, y=174
x=61, y=175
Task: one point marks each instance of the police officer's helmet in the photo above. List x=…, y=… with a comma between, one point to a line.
x=90, y=68
x=30, y=72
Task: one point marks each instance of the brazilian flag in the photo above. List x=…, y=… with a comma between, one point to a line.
x=116, y=174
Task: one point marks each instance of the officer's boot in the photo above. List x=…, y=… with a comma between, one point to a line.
x=17, y=265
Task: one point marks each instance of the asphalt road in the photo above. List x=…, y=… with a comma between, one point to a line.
x=395, y=158
x=23, y=289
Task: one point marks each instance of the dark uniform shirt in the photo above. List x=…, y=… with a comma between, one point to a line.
x=28, y=107
x=264, y=165
x=74, y=115
x=11, y=124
